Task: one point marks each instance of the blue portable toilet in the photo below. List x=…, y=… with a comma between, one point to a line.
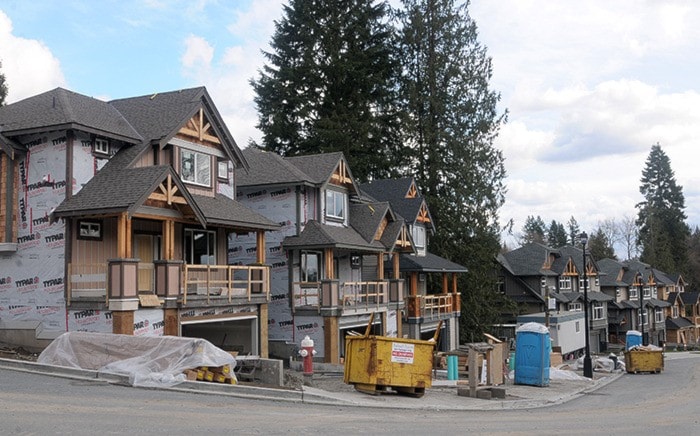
x=532, y=349
x=633, y=339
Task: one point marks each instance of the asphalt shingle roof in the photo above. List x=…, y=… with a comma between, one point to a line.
x=60, y=109
x=428, y=263
x=267, y=168
x=317, y=235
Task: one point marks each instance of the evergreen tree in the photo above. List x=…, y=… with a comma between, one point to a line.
x=663, y=233
x=600, y=247
x=692, y=275
x=574, y=232
x=534, y=230
x=452, y=123
x=3, y=87
x=556, y=235
x=330, y=85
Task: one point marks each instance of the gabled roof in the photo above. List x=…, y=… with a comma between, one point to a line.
x=678, y=323
x=395, y=191
x=60, y=109
x=366, y=218
x=107, y=193
x=317, y=235
x=223, y=211
x=429, y=263
x=529, y=259
x=690, y=297
x=318, y=167
x=592, y=296
x=158, y=117
x=267, y=169
x=610, y=271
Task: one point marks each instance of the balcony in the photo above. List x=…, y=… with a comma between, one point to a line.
x=433, y=306
x=346, y=297
x=171, y=280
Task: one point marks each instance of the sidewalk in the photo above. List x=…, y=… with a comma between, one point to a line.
x=330, y=390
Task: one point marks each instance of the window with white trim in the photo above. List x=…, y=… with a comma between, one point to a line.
x=564, y=282
x=195, y=167
x=419, y=236
x=575, y=307
x=598, y=310
x=543, y=281
x=647, y=292
x=633, y=292
x=335, y=204
x=101, y=146
x=309, y=266
x=674, y=311
x=658, y=315
x=645, y=315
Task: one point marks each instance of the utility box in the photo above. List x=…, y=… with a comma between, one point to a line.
x=566, y=330
x=637, y=361
x=375, y=364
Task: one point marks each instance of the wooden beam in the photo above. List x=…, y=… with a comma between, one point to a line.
x=445, y=288
x=395, y=259
x=414, y=284
x=260, y=247
x=380, y=266
x=328, y=254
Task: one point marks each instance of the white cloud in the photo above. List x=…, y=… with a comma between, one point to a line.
x=28, y=65
x=198, y=53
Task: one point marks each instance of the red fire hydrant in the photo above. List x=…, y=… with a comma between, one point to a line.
x=307, y=352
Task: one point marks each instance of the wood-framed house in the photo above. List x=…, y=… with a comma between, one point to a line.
x=615, y=280
x=433, y=294
x=116, y=217
x=690, y=311
x=534, y=273
x=328, y=259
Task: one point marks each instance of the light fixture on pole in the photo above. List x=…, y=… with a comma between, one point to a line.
x=587, y=364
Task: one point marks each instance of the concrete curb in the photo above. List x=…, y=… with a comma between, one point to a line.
x=310, y=395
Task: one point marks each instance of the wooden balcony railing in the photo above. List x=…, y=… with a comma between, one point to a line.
x=86, y=280
x=348, y=295
x=432, y=306
x=90, y=280
x=226, y=280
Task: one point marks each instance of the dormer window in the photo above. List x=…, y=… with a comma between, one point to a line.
x=419, y=236
x=101, y=146
x=222, y=170
x=335, y=204
x=195, y=167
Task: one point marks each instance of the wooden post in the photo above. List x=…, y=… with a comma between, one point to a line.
x=123, y=322
x=260, y=247
x=395, y=259
x=330, y=326
x=380, y=266
x=170, y=327
x=473, y=373
x=445, y=287
x=328, y=255
x=263, y=315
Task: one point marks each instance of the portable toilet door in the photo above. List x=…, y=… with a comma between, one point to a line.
x=532, y=359
x=633, y=338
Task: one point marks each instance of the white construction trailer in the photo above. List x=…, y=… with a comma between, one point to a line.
x=566, y=330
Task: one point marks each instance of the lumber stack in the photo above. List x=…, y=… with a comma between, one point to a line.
x=220, y=374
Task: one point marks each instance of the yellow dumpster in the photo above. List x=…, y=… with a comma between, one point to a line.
x=637, y=361
x=375, y=364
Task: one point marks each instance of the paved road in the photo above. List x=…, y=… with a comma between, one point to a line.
x=665, y=403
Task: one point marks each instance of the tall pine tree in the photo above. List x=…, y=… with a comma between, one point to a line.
x=329, y=85
x=3, y=87
x=663, y=233
x=452, y=123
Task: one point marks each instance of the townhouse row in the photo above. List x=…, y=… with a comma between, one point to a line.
x=143, y=216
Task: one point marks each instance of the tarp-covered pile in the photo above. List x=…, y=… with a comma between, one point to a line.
x=148, y=361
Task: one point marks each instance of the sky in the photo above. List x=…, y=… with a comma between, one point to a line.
x=589, y=86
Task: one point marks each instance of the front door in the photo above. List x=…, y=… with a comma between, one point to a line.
x=147, y=249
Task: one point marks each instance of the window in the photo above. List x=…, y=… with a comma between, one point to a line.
x=575, y=307
x=658, y=315
x=101, y=146
x=222, y=170
x=633, y=292
x=200, y=247
x=618, y=293
x=644, y=313
x=564, y=282
x=543, y=282
x=578, y=327
x=195, y=167
x=598, y=310
x=90, y=230
x=335, y=204
x=674, y=312
x=419, y=236
x=309, y=266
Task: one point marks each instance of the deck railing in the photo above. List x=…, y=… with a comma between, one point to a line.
x=90, y=280
x=226, y=280
x=348, y=295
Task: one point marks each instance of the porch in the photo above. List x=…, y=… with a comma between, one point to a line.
x=331, y=297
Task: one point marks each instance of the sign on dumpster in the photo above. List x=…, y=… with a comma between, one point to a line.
x=402, y=353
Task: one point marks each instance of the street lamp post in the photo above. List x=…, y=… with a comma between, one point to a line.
x=587, y=364
x=642, y=309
